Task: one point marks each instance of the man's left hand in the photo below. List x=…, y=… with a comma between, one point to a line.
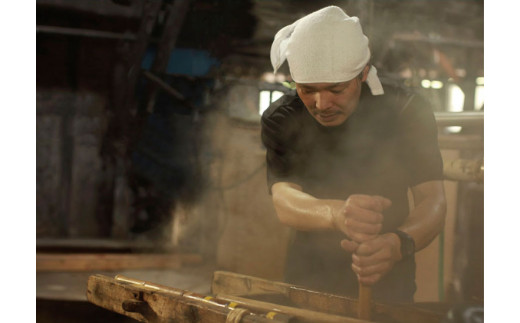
x=372, y=259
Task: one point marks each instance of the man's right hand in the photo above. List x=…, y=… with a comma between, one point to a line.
x=361, y=217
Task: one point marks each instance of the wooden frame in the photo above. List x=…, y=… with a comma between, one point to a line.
x=232, y=302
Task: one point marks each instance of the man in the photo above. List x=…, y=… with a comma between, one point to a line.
x=342, y=153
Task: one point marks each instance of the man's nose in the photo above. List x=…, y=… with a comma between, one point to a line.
x=323, y=100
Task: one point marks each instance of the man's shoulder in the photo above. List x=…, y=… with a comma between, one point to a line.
x=284, y=118
x=287, y=105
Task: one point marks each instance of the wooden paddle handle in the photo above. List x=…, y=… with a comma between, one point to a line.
x=364, y=302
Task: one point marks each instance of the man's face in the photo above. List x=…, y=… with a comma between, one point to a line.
x=331, y=103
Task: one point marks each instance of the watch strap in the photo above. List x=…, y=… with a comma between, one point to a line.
x=407, y=244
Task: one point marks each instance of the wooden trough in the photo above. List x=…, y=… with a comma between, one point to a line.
x=241, y=298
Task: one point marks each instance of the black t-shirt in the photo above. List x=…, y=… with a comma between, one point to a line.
x=387, y=145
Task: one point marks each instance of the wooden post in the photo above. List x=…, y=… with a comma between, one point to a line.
x=365, y=300
x=121, y=131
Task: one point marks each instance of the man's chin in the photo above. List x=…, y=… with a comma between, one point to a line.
x=332, y=121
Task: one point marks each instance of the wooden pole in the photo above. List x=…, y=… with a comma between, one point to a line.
x=365, y=300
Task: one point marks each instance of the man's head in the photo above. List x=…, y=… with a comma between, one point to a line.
x=327, y=50
x=332, y=103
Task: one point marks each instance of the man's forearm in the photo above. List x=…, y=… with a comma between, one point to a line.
x=426, y=220
x=302, y=211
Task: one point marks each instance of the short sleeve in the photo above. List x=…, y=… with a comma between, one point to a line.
x=278, y=137
x=420, y=149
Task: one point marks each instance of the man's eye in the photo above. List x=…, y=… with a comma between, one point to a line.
x=336, y=91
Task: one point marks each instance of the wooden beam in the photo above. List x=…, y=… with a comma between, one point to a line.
x=188, y=294
x=242, y=285
x=470, y=142
x=467, y=118
x=176, y=14
x=83, y=32
x=98, y=7
x=175, y=19
x=98, y=244
x=227, y=283
x=302, y=315
x=410, y=37
x=169, y=89
x=147, y=304
x=112, y=262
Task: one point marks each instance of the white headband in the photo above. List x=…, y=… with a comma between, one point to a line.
x=325, y=46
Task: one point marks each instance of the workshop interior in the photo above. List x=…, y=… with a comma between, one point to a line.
x=151, y=196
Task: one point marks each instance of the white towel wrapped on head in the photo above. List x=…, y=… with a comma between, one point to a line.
x=326, y=46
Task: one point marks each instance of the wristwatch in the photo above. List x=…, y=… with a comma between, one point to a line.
x=407, y=244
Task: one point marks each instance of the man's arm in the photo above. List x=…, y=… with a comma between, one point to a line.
x=302, y=211
x=359, y=217
x=372, y=259
x=426, y=220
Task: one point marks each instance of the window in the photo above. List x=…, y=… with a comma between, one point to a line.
x=479, y=94
x=455, y=98
x=266, y=98
x=455, y=103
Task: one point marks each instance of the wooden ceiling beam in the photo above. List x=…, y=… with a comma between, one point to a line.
x=98, y=7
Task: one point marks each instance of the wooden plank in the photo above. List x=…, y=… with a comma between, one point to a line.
x=243, y=285
x=80, y=32
x=112, y=262
x=98, y=7
x=469, y=142
x=98, y=244
x=302, y=315
x=147, y=304
x=227, y=283
x=188, y=294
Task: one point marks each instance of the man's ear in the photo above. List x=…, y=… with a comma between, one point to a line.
x=365, y=73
